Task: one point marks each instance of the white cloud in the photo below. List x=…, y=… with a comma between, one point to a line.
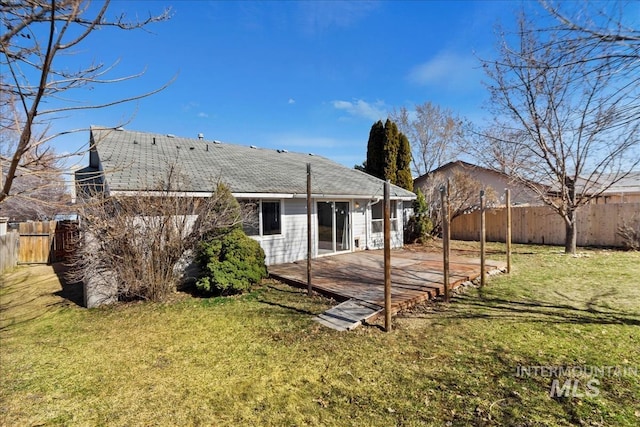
x=361, y=108
x=316, y=17
x=203, y=115
x=291, y=101
x=446, y=69
x=190, y=106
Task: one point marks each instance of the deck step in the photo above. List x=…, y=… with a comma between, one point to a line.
x=348, y=315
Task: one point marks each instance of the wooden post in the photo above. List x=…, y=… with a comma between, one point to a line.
x=387, y=258
x=483, y=232
x=508, y=237
x=446, y=237
x=309, y=241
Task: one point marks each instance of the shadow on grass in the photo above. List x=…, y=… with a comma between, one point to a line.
x=285, y=306
x=486, y=307
x=288, y=292
x=193, y=291
x=35, y=290
x=290, y=289
x=71, y=291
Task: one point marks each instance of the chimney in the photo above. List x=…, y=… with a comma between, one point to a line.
x=201, y=136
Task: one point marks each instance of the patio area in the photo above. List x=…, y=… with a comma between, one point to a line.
x=416, y=276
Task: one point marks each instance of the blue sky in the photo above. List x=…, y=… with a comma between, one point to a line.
x=304, y=76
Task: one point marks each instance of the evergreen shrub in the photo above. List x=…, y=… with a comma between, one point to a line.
x=231, y=263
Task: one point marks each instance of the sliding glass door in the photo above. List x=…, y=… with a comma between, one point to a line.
x=333, y=227
x=341, y=222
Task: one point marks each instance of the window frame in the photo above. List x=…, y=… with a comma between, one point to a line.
x=377, y=224
x=263, y=223
x=259, y=206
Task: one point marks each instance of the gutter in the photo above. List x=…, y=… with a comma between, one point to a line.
x=257, y=195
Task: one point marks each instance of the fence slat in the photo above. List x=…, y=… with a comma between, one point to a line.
x=36, y=239
x=8, y=251
x=597, y=224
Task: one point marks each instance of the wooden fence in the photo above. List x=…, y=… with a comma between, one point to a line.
x=38, y=243
x=597, y=224
x=36, y=239
x=8, y=251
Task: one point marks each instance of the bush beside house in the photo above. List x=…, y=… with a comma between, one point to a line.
x=231, y=262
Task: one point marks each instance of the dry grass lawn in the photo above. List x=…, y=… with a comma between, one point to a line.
x=259, y=359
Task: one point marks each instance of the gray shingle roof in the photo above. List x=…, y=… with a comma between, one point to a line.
x=628, y=184
x=139, y=160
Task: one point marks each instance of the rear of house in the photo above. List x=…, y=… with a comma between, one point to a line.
x=346, y=205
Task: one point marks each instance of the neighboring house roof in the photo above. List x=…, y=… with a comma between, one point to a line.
x=135, y=161
x=628, y=184
x=461, y=164
x=605, y=185
x=490, y=178
x=457, y=164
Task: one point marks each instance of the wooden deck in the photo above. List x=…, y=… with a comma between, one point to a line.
x=415, y=276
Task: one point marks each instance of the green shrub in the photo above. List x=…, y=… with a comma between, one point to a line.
x=420, y=226
x=231, y=263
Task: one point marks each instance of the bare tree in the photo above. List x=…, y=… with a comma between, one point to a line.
x=464, y=195
x=436, y=135
x=139, y=247
x=38, y=190
x=37, y=33
x=599, y=31
x=572, y=117
x=494, y=147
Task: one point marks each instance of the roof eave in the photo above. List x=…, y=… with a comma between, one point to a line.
x=257, y=195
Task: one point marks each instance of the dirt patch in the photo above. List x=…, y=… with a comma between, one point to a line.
x=458, y=247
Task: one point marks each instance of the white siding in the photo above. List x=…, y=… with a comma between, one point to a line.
x=376, y=240
x=291, y=245
x=359, y=224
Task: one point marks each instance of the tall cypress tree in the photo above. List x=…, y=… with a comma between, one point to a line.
x=391, y=143
x=403, y=165
x=388, y=155
x=375, y=151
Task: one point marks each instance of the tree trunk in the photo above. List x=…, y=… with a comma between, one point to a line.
x=571, y=235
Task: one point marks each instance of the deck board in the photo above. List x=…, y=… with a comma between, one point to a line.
x=348, y=315
x=415, y=276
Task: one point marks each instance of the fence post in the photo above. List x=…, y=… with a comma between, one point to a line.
x=483, y=237
x=3, y=225
x=508, y=237
x=387, y=258
x=444, y=204
x=309, y=206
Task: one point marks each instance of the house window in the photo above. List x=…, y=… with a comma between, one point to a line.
x=262, y=218
x=271, y=219
x=377, y=220
x=251, y=217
